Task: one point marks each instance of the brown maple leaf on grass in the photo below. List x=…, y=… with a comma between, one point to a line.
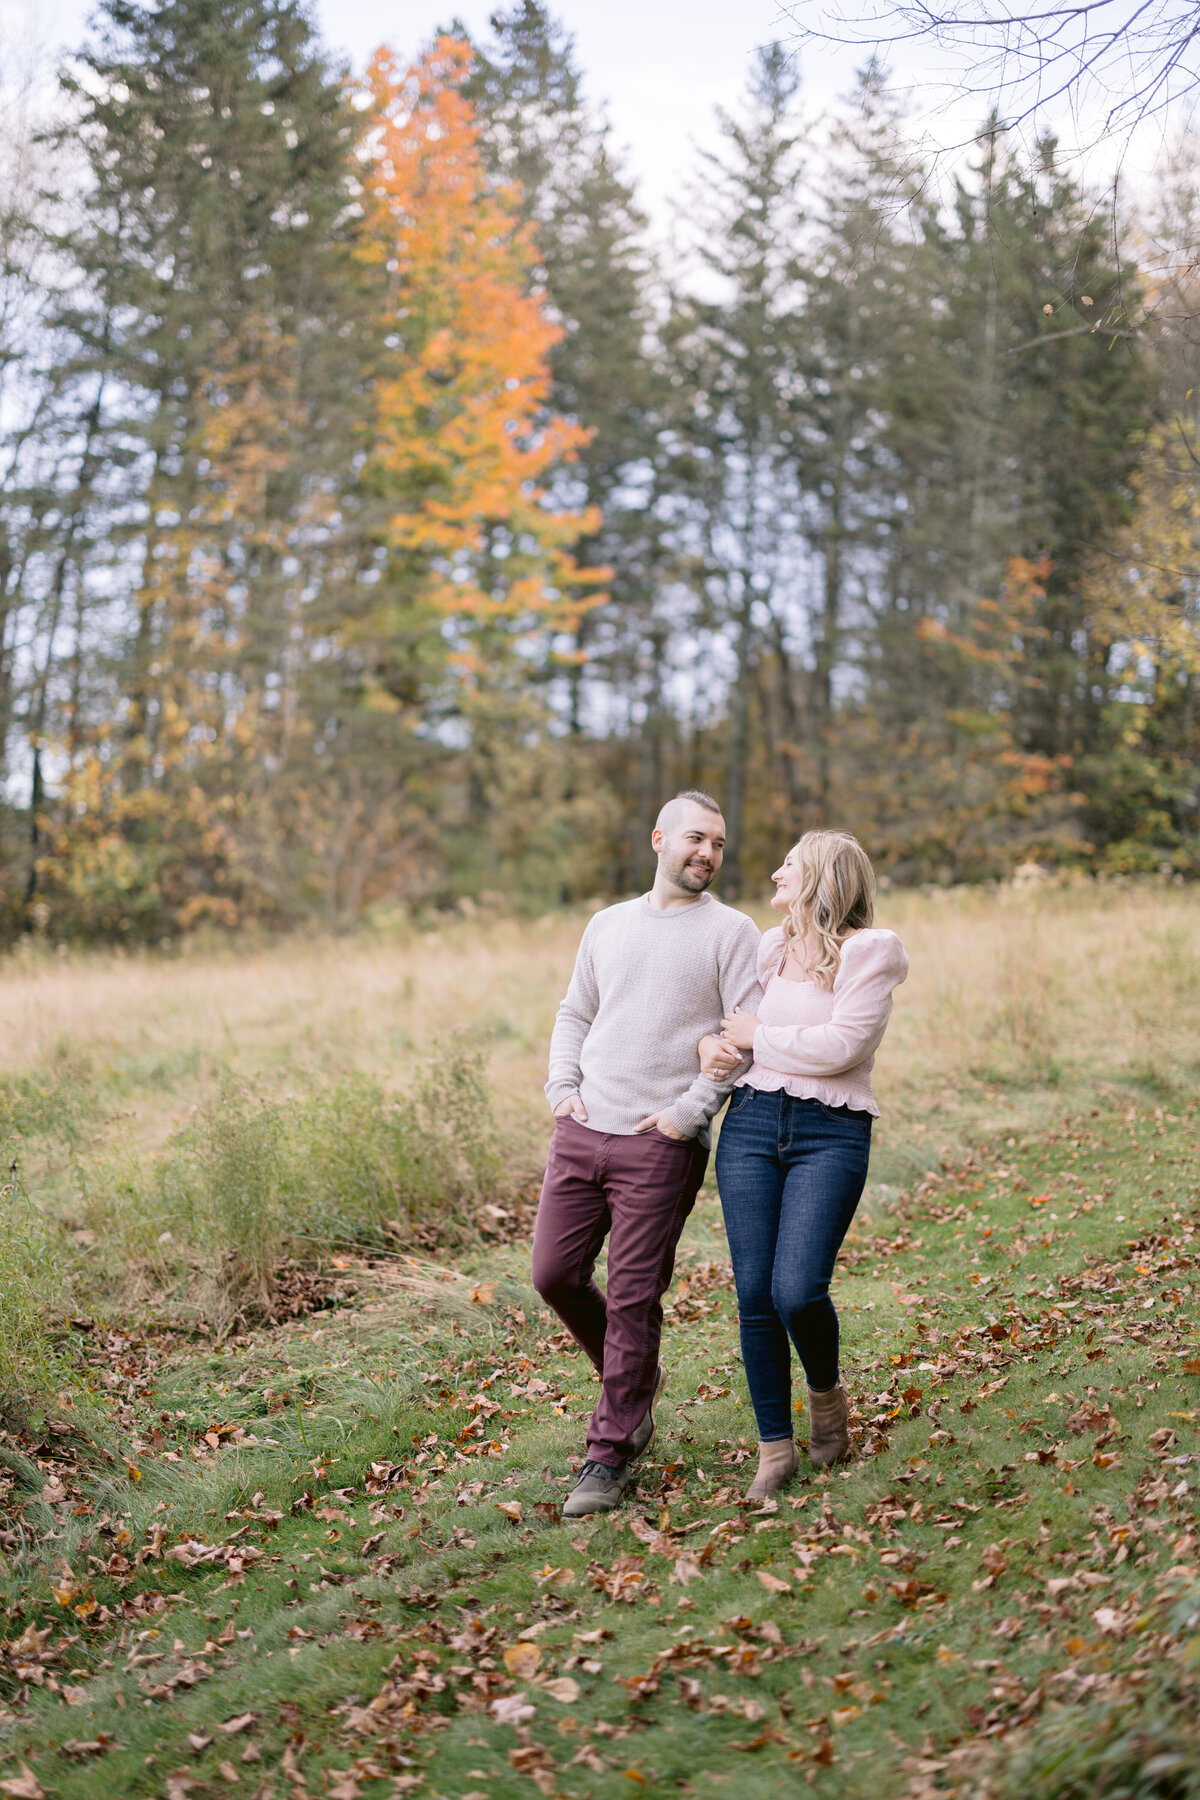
x=79, y=1748
x=22, y=1786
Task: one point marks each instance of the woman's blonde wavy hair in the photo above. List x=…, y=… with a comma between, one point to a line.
x=837, y=896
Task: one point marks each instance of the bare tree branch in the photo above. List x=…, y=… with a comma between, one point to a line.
x=1130, y=59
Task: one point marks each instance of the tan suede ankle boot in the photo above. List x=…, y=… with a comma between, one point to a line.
x=778, y=1460
x=829, y=1425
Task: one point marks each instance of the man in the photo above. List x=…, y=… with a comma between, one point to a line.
x=652, y=976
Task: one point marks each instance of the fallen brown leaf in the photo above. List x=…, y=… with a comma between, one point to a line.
x=555, y=1578
x=521, y=1660
x=91, y=1746
x=765, y=1737
x=345, y=1785
x=562, y=1689
x=24, y=1786
x=512, y=1709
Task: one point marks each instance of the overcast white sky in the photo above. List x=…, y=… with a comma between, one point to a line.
x=659, y=66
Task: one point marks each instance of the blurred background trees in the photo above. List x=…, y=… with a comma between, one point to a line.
x=384, y=523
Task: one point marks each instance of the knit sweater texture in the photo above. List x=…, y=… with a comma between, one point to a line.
x=818, y=1044
x=648, y=984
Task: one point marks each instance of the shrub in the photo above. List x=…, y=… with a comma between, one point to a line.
x=253, y=1179
x=221, y=1187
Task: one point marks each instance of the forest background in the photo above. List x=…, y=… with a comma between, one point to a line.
x=384, y=524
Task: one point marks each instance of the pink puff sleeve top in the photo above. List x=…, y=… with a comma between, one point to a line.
x=820, y=1044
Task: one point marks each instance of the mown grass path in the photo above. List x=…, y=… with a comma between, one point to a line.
x=339, y=1569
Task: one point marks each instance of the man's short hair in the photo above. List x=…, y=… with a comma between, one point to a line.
x=670, y=812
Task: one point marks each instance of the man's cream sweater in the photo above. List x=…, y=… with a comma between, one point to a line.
x=647, y=986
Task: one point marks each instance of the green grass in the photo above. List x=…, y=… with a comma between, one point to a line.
x=250, y=1187
x=999, y=1597
x=31, y=1283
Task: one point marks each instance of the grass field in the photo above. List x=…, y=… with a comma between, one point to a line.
x=323, y=1555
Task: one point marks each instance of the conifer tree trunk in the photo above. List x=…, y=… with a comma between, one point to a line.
x=737, y=757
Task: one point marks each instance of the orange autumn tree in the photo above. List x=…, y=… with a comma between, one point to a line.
x=462, y=443
x=357, y=578
x=421, y=731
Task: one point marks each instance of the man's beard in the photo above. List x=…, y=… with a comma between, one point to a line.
x=690, y=874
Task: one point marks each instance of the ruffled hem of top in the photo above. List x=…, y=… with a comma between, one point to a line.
x=769, y=1081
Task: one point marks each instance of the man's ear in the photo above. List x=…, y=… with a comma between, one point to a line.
x=656, y=840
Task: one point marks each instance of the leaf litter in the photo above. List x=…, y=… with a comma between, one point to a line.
x=990, y=1505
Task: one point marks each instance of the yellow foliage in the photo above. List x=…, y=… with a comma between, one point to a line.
x=1144, y=594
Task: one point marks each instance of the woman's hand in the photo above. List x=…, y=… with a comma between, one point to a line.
x=739, y=1028
x=717, y=1058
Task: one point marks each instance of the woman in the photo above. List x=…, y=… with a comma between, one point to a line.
x=794, y=1146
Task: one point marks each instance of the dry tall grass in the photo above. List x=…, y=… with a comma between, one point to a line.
x=1025, y=1003
x=1019, y=1005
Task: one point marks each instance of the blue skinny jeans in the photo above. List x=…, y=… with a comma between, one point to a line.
x=791, y=1174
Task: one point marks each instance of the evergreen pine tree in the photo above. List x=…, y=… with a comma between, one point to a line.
x=1014, y=443
x=217, y=139
x=861, y=381
x=735, y=367
x=539, y=131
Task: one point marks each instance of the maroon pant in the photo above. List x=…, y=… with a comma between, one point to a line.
x=640, y=1190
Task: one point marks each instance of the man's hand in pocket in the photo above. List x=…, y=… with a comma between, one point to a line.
x=660, y=1122
x=571, y=1108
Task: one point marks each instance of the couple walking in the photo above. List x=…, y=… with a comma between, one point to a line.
x=676, y=1004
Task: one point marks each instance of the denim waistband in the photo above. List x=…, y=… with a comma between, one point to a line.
x=807, y=1100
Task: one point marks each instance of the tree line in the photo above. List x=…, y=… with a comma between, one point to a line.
x=384, y=521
